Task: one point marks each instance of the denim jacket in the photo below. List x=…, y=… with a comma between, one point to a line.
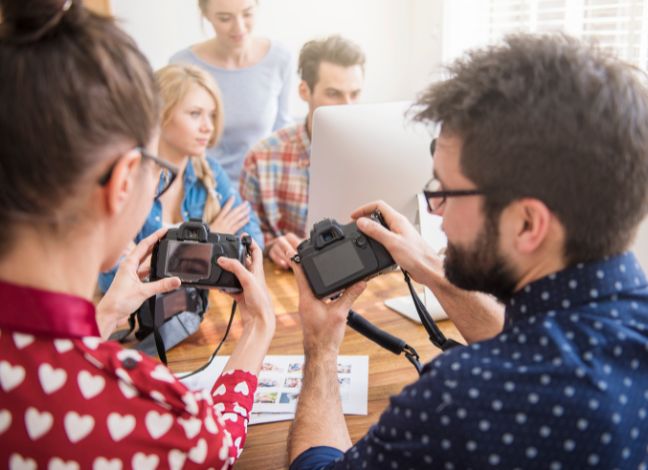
x=193, y=206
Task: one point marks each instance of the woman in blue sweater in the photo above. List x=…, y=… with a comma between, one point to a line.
x=192, y=120
x=253, y=73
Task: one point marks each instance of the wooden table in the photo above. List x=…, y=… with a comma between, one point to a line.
x=266, y=443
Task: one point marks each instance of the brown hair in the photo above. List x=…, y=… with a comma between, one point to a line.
x=175, y=81
x=74, y=86
x=334, y=49
x=551, y=118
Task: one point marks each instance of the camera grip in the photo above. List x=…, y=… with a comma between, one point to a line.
x=375, y=334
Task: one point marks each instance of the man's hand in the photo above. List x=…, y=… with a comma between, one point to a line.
x=477, y=316
x=319, y=420
x=402, y=240
x=128, y=291
x=323, y=323
x=281, y=247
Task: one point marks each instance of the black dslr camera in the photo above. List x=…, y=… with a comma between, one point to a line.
x=190, y=253
x=337, y=256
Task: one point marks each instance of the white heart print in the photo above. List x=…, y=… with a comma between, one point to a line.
x=18, y=462
x=242, y=388
x=51, y=379
x=10, y=376
x=177, y=459
x=145, y=462
x=5, y=420
x=63, y=345
x=60, y=464
x=191, y=426
x=163, y=374
x=90, y=385
x=199, y=452
x=77, y=427
x=38, y=424
x=120, y=426
x=22, y=340
x=102, y=463
x=158, y=424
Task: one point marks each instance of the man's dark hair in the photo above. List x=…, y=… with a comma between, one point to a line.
x=334, y=49
x=552, y=118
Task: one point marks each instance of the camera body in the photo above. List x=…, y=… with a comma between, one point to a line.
x=337, y=256
x=190, y=253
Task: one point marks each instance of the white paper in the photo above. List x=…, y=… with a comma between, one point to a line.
x=280, y=383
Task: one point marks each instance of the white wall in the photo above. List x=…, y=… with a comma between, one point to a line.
x=404, y=40
x=400, y=37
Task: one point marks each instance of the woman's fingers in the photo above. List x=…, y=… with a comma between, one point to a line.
x=145, y=247
x=235, y=267
x=161, y=286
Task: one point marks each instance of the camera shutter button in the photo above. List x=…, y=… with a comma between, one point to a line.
x=218, y=252
x=361, y=241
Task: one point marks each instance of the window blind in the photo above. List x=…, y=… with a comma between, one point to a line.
x=617, y=25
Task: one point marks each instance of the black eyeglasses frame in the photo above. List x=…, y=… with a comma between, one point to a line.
x=103, y=180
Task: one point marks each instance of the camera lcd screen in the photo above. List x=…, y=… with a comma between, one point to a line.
x=190, y=261
x=174, y=302
x=338, y=263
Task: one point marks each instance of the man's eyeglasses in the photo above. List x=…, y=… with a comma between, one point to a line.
x=168, y=172
x=436, y=197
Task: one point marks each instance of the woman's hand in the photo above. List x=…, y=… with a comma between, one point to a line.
x=257, y=313
x=128, y=290
x=231, y=219
x=254, y=302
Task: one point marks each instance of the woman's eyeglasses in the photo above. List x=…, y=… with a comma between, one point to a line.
x=168, y=172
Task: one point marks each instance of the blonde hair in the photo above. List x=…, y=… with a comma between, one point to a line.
x=174, y=82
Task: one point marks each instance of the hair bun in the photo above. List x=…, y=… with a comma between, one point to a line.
x=27, y=21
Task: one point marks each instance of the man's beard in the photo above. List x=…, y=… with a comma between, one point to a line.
x=481, y=268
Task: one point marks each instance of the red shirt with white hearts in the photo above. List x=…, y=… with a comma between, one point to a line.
x=68, y=400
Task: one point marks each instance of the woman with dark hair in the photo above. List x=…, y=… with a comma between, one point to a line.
x=78, y=121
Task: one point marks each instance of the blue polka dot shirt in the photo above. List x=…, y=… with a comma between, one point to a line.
x=563, y=386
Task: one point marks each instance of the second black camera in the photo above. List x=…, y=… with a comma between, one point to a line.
x=337, y=256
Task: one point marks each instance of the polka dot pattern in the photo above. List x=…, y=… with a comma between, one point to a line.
x=564, y=386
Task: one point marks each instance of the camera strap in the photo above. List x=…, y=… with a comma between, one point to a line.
x=159, y=342
x=435, y=335
x=383, y=339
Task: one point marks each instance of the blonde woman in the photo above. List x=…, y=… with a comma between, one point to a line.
x=253, y=72
x=192, y=120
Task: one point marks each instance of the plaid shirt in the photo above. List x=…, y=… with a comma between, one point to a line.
x=274, y=180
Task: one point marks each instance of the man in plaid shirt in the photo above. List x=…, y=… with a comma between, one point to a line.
x=274, y=178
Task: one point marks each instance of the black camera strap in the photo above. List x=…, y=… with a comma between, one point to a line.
x=157, y=322
x=435, y=335
x=383, y=339
x=209, y=361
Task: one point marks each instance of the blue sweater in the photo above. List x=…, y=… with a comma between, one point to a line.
x=256, y=103
x=193, y=206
